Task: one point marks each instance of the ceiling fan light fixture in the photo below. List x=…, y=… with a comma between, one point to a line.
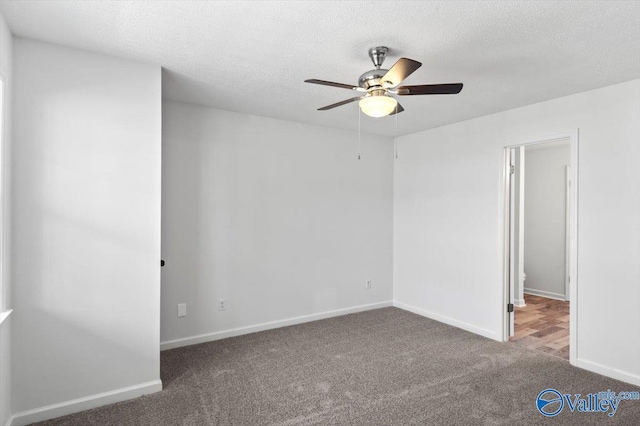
x=379, y=83
x=378, y=105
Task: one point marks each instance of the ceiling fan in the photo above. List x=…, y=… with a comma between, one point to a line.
x=378, y=85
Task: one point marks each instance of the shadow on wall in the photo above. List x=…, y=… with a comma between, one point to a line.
x=86, y=224
x=73, y=322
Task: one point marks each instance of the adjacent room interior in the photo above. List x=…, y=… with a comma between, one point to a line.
x=318, y=212
x=540, y=223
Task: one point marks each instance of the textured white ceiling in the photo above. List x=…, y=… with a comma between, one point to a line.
x=253, y=56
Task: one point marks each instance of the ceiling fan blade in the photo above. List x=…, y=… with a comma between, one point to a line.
x=430, y=89
x=399, y=71
x=348, y=101
x=397, y=110
x=331, y=83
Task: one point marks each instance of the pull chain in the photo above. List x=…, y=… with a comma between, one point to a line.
x=359, y=137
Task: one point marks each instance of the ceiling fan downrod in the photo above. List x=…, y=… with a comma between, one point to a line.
x=377, y=55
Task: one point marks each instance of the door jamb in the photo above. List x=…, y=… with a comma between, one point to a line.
x=573, y=240
x=567, y=238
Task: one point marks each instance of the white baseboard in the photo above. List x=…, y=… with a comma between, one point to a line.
x=519, y=303
x=81, y=404
x=450, y=321
x=548, y=294
x=614, y=373
x=218, y=335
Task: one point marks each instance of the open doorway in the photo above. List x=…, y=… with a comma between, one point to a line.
x=540, y=245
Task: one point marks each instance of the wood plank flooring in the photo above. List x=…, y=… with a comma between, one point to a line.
x=543, y=324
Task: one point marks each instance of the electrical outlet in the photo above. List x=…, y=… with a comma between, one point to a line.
x=182, y=310
x=368, y=285
x=222, y=305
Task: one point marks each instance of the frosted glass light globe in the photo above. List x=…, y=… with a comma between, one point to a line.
x=378, y=106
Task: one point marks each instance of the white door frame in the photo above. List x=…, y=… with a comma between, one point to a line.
x=567, y=221
x=511, y=153
x=573, y=235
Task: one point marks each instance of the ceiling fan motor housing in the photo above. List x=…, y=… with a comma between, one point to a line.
x=371, y=78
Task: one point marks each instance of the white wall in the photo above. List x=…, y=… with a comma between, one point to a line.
x=448, y=239
x=6, y=68
x=86, y=228
x=6, y=65
x=545, y=220
x=280, y=219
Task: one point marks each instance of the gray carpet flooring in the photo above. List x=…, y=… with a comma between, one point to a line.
x=381, y=367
